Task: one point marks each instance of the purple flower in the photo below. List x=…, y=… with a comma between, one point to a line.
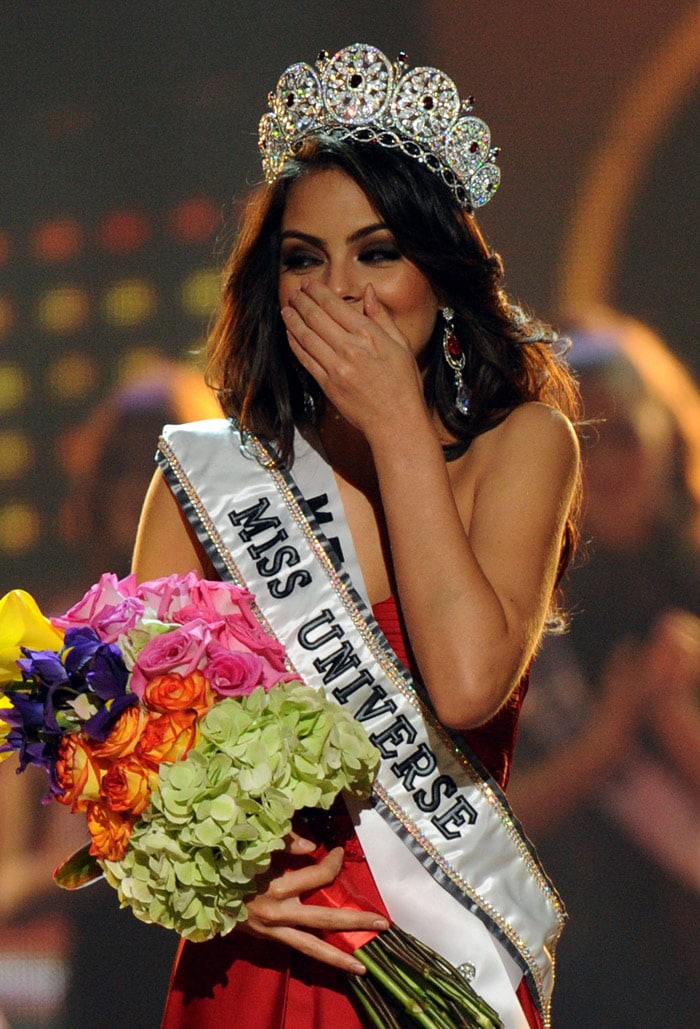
x=30, y=737
x=98, y=669
x=43, y=666
x=47, y=686
x=53, y=682
x=101, y=724
x=97, y=665
x=79, y=648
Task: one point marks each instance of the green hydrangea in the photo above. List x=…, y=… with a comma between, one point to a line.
x=217, y=816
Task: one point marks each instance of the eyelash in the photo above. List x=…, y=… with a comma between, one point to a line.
x=379, y=254
x=299, y=260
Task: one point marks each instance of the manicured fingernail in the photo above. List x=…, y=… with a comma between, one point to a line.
x=307, y=845
x=357, y=968
x=380, y=923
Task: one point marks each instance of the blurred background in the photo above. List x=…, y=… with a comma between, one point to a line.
x=128, y=132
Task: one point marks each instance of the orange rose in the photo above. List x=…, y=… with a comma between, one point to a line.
x=175, y=692
x=167, y=737
x=78, y=772
x=110, y=832
x=127, y=785
x=123, y=737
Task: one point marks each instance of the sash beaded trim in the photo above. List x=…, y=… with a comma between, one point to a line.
x=436, y=863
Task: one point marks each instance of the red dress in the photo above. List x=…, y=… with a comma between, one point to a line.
x=252, y=983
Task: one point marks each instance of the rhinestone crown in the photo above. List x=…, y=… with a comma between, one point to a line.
x=360, y=94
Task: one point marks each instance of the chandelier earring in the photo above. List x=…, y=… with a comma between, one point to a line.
x=309, y=407
x=309, y=403
x=454, y=355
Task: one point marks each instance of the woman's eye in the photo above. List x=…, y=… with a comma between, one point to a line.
x=380, y=254
x=298, y=260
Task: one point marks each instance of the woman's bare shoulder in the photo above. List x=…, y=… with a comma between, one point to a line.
x=534, y=449
x=165, y=542
x=531, y=433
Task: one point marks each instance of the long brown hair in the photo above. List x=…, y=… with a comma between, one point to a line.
x=511, y=358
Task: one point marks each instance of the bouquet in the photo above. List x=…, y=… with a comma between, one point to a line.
x=166, y=714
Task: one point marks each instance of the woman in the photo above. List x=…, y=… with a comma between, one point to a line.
x=363, y=309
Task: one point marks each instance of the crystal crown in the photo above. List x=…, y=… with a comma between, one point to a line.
x=360, y=94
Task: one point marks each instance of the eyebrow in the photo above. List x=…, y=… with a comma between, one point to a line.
x=316, y=241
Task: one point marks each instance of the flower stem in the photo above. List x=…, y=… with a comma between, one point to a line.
x=429, y=991
x=395, y=989
x=378, y=1011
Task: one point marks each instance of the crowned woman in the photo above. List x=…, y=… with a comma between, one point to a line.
x=395, y=484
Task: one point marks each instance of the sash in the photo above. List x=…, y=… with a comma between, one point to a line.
x=434, y=808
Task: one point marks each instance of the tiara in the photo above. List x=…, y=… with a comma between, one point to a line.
x=359, y=94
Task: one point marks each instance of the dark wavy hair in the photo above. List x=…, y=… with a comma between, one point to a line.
x=511, y=358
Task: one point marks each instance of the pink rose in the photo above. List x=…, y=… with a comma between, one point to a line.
x=180, y=650
x=221, y=598
x=193, y=613
x=166, y=596
x=238, y=636
x=233, y=674
x=246, y=604
x=110, y=607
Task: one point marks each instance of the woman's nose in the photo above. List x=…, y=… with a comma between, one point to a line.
x=344, y=281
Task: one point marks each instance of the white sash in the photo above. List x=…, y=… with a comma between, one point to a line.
x=486, y=900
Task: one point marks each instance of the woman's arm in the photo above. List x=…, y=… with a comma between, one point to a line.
x=474, y=545
x=165, y=542
x=475, y=554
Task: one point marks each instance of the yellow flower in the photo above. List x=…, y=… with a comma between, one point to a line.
x=4, y=728
x=22, y=625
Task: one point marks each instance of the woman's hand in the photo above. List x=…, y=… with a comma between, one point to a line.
x=277, y=913
x=361, y=361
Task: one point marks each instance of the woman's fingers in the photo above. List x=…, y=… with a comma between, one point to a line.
x=279, y=914
x=338, y=322
x=319, y=319
x=378, y=314
x=343, y=314
x=296, y=881
x=306, y=334
x=270, y=912
x=308, y=313
x=299, y=845
x=354, y=351
x=280, y=903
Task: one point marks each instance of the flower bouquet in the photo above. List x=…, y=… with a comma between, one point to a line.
x=167, y=715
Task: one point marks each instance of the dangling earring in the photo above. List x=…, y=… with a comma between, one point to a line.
x=454, y=355
x=304, y=378
x=309, y=407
